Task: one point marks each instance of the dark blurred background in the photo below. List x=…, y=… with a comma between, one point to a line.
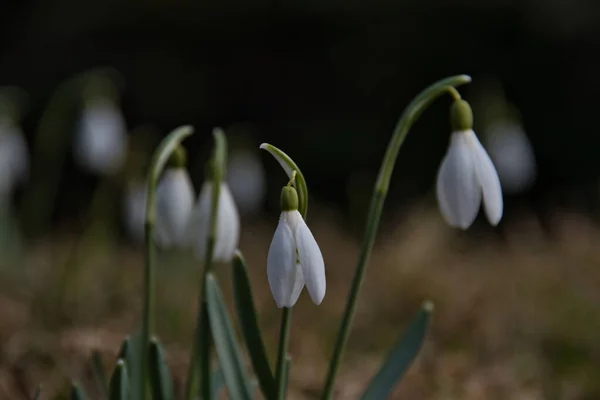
x=326, y=82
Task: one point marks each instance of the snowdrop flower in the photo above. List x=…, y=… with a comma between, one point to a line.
x=174, y=203
x=512, y=154
x=467, y=175
x=246, y=178
x=101, y=140
x=134, y=209
x=14, y=157
x=294, y=257
x=228, y=223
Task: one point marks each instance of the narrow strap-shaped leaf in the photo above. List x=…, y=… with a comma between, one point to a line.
x=130, y=352
x=76, y=392
x=216, y=383
x=246, y=314
x=119, y=383
x=289, y=166
x=160, y=379
x=401, y=356
x=125, y=348
x=99, y=374
x=228, y=351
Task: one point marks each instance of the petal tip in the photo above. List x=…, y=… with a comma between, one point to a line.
x=495, y=220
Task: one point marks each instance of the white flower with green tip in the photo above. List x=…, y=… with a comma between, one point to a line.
x=467, y=175
x=294, y=259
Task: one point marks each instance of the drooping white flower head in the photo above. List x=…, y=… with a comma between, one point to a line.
x=14, y=157
x=294, y=258
x=134, y=209
x=512, y=155
x=246, y=178
x=101, y=139
x=174, y=204
x=467, y=175
x=228, y=223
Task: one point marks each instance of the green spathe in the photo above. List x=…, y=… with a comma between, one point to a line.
x=289, y=199
x=461, y=116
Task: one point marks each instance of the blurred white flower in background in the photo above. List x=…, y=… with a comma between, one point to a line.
x=512, y=154
x=246, y=178
x=174, y=203
x=101, y=137
x=134, y=209
x=14, y=157
x=228, y=223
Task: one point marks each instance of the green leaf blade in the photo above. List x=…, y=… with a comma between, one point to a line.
x=160, y=379
x=228, y=351
x=401, y=356
x=248, y=321
x=119, y=383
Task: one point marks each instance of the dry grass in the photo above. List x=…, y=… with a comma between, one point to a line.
x=516, y=313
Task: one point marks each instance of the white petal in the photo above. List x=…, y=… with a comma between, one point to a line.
x=311, y=260
x=298, y=286
x=174, y=202
x=488, y=180
x=458, y=190
x=281, y=264
x=228, y=226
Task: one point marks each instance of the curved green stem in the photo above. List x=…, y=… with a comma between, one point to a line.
x=157, y=165
x=201, y=355
x=408, y=118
